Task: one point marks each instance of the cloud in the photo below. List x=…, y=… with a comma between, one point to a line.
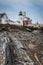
x=10, y=1
x=39, y=2
x=26, y=2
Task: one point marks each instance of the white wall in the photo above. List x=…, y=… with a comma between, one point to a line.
x=21, y=18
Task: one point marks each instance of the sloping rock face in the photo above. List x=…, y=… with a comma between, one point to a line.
x=29, y=47
x=26, y=47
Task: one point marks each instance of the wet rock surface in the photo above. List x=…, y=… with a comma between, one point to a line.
x=24, y=47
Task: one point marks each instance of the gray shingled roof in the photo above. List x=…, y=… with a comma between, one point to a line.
x=2, y=14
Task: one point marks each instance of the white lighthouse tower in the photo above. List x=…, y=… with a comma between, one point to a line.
x=22, y=16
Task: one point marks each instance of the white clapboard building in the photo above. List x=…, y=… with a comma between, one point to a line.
x=4, y=19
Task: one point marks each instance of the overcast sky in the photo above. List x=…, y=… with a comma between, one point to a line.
x=33, y=8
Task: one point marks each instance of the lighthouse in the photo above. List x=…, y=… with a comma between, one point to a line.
x=24, y=20
x=22, y=15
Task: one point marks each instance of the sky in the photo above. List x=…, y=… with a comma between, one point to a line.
x=33, y=9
